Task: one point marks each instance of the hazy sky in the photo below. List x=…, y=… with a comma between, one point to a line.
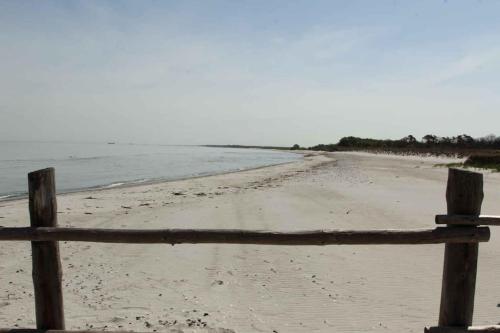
x=247, y=72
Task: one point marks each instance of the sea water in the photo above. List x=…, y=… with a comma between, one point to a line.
x=81, y=166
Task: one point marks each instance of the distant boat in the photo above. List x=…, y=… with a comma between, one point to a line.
x=111, y=143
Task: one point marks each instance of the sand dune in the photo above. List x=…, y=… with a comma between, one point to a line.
x=242, y=288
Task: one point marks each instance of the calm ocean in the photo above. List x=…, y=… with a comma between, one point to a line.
x=93, y=165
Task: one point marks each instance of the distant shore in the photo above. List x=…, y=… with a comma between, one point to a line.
x=248, y=147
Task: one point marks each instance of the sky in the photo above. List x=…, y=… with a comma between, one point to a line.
x=247, y=72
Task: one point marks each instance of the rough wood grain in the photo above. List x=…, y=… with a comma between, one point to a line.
x=437, y=329
x=468, y=220
x=475, y=329
x=47, y=271
x=464, y=196
x=200, y=236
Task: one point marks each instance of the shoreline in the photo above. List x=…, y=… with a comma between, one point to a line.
x=135, y=183
x=303, y=153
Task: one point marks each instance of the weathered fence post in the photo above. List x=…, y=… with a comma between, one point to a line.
x=47, y=271
x=464, y=195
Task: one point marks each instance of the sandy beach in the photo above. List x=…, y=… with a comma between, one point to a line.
x=243, y=288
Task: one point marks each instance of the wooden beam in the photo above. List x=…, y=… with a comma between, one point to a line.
x=47, y=271
x=203, y=236
x=468, y=220
x=464, y=195
x=470, y=329
x=32, y=330
x=436, y=329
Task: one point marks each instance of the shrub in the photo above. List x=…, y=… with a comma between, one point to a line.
x=489, y=161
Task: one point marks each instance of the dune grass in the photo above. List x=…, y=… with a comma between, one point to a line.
x=480, y=161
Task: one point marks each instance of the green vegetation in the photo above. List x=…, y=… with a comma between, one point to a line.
x=485, y=161
x=461, y=145
x=449, y=165
x=495, y=166
x=322, y=147
x=481, y=152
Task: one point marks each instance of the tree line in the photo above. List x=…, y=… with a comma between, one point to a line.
x=429, y=142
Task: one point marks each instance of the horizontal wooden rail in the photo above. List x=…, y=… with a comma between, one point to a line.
x=195, y=236
x=471, y=329
x=34, y=330
x=468, y=219
x=436, y=329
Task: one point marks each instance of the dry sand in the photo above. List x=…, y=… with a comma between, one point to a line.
x=242, y=288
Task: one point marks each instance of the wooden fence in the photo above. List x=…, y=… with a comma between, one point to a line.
x=461, y=236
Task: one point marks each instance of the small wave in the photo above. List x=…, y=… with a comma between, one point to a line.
x=140, y=181
x=12, y=196
x=132, y=182
x=90, y=158
x=113, y=185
